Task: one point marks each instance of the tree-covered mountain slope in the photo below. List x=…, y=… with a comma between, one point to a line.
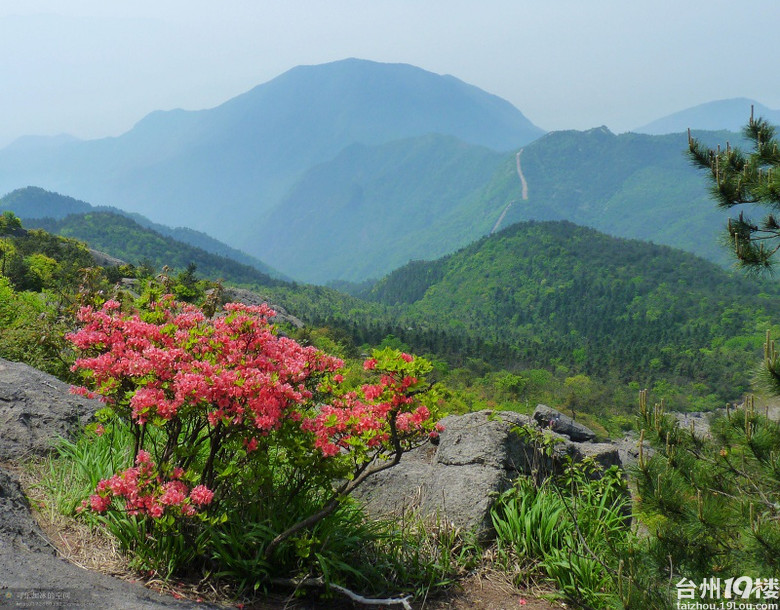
x=124, y=238
x=563, y=294
x=373, y=208
x=34, y=203
x=628, y=185
x=224, y=168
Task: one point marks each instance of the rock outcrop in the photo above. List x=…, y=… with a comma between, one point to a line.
x=36, y=409
x=478, y=456
x=105, y=260
x=556, y=421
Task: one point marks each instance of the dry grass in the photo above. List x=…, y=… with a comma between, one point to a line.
x=82, y=545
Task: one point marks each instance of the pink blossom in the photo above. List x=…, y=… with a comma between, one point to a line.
x=174, y=365
x=80, y=391
x=174, y=493
x=99, y=504
x=143, y=457
x=201, y=495
x=372, y=392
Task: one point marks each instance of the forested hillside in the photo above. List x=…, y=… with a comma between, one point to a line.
x=628, y=185
x=34, y=203
x=560, y=294
x=373, y=208
x=125, y=239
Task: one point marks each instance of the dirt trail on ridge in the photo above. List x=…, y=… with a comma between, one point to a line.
x=524, y=183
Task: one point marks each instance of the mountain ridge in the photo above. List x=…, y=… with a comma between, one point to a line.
x=221, y=166
x=33, y=204
x=375, y=207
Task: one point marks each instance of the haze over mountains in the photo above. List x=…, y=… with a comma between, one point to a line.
x=345, y=171
x=731, y=115
x=66, y=216
x=225, y=168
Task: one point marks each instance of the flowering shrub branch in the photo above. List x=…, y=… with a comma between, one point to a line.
x=224, y=411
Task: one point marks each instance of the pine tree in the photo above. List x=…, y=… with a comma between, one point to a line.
x=713, y=499
x=740, y=178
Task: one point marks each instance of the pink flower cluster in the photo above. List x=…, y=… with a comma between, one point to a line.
x=233, y=366
x=368, y=416
x=145, y=492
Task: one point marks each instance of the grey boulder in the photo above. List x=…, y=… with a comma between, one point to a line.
x=556, y=421
x=479, y=455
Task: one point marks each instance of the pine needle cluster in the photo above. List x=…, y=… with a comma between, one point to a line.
x=739, y=177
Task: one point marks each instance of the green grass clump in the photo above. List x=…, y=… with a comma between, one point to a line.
x=574, y=530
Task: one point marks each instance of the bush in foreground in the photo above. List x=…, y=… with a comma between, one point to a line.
x=244, y=445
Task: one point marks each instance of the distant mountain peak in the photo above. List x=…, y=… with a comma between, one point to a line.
x=730, y=114
x=403, y=99
x=225, y=169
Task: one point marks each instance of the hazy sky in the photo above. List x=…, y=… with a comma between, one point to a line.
x=93, y=68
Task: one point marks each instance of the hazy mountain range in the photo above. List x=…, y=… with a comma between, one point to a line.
x=731, y=115
x=65, y=215
x=345, y=171
x=224, y=169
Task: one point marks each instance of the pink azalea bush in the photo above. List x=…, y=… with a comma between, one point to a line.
x=224, y=411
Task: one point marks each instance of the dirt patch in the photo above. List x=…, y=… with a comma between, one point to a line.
x=484, y=592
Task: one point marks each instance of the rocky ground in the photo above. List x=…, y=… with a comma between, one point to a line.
x=35, y=409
